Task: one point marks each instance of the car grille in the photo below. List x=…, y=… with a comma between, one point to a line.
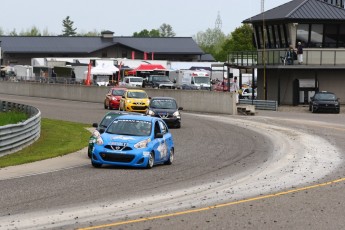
x=138, y=103
x=117, y=147
x=139, y=107
x=115, y=157
x=164, y=116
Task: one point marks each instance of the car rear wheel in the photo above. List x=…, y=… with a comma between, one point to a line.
x=151, y=161
x=171, y=157
x=96, y=165
x=313, y=110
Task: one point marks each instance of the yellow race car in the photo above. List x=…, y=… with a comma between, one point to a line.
x=134, y=100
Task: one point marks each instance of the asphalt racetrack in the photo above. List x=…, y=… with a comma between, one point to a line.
x=274, y=170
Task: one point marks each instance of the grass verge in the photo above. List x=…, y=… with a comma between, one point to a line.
x=57, y=138
x=12, y=117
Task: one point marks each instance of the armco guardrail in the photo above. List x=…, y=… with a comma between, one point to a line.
x=14, y=137
x=261, y=104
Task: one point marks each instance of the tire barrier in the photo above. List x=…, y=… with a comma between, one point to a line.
x=14, y=137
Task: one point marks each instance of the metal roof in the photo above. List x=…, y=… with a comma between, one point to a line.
x=301, y=10
x=59, y=44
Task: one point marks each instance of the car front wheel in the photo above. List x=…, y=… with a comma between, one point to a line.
x=151, y=161
x=313, y=110
x=171, y=157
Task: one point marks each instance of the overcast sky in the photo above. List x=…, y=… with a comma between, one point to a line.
x=187, y=17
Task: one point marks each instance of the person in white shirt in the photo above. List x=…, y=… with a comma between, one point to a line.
x=235, y=88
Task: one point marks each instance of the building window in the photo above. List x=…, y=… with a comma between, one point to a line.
x=330, y=36
x=270, y=37
x=124, y=54
x=316, y=35
x=341, y=37
x=303, y=33
x=277, y=39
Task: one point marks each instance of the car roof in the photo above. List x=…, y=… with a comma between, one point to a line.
x=140, y=118
x=136, y=90
x=133, y=77
x=163, y=98
x=119, y=88
x=325, y=92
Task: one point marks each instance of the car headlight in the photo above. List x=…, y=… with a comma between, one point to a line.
x=177, y=114
x=148, y=101
x=151, y=113
x=113, y=99
x=142, y=144
x=129, y=101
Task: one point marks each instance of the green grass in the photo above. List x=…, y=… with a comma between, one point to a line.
x=57, y=138
x=12, y=117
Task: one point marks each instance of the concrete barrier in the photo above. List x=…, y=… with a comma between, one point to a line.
x=190, y=100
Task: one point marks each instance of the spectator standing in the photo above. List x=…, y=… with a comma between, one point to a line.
x=300, y=53
x=235, y=88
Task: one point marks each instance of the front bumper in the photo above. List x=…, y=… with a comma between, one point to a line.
x=133, y=158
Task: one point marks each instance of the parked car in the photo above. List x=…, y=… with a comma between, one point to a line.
x=159, y=81
x=137, y=141
x=220, y=86
x=324, y=101
x=106, y=120
x=132, y=81
x=113, y=97
x=134, y=100
x=167, y=109
x=247, y=93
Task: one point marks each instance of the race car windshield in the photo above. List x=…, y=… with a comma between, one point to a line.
x=130, y=128
x=137, y=95
x=117, y=92
x=325, y=97
x=163, y=104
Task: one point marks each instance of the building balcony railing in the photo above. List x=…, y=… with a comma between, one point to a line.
x=335, y=57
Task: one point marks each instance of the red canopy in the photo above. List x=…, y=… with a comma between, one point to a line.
x=147, y=67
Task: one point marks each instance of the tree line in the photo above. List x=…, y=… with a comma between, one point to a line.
x=212, y=41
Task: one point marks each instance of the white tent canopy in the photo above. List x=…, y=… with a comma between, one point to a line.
x=103, y=67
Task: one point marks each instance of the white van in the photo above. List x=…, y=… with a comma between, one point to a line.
x=132, y=81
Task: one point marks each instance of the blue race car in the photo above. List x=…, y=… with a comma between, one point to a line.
x=137, y=141
x=107, y=119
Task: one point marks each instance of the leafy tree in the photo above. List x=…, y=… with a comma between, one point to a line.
x=34, y=31
x=90, y=33
x=13, y=33
x=146, y=33
x=45, y=32
x=210, y=41
x=68, y=27
x=166, y=30
x=241, y=39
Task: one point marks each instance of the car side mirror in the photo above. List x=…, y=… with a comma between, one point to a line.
x=95, y=125
x=101, y=131
x=180, y=108
x=123, y=96
x=159, y=135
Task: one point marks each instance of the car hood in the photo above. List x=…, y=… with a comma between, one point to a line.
x=128, y=140
x=165, y=111
x=325, y=101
